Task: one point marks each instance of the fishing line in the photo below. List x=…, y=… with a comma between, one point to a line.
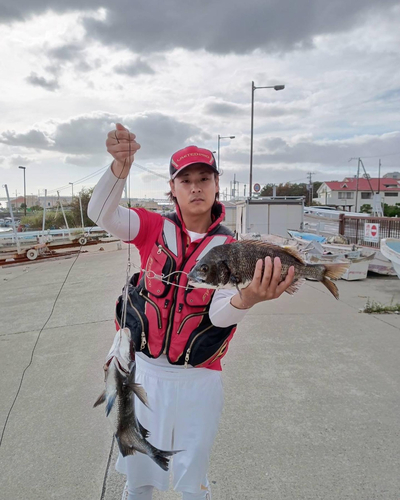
x=32, y=353
x=128, y=265
x=55, y=302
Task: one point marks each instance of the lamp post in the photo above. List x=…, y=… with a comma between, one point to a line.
x=24, y=168
x=219, y=140
x=72, y=186
x=253, y=88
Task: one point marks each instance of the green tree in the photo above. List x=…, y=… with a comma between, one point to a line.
x=291, y=189
x=366, y=208
x=76, y=210
x=391, y=210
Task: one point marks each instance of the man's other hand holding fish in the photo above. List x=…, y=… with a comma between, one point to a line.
x=264, y=286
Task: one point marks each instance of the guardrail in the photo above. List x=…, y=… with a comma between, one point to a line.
x=354, y=228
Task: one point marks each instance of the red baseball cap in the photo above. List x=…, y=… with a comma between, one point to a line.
x=189, y=156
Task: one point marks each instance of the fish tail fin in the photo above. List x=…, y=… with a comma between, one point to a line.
x=331, y=287
x=100, y=400
x=335, y=271
x=161, y=457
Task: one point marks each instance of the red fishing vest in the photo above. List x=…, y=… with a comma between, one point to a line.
x=169, y=316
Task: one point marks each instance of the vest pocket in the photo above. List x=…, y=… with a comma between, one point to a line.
x=142, y=293
x=198, y=297
x=136, y=319
x=160, y=263
x=206, y=345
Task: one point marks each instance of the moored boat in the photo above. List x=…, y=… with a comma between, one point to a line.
x=390, y=248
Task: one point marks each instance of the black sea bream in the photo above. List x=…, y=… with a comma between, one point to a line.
x=120, y=369
x=233, y=265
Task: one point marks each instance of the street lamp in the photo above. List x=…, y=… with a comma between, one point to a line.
x=219, y=140
x=72, y=186
x=253, y=88
x=24, y=168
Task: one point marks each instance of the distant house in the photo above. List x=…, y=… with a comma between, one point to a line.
x=31, y=200
x=343, y=194
x=392, y=175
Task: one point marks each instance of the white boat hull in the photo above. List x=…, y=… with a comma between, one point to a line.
x=381, y=265
x=391, y=254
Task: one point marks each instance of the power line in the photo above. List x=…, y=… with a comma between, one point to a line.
x=67, y=186
x=379, y=156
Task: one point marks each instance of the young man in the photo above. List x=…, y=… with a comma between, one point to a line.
x=177, y=326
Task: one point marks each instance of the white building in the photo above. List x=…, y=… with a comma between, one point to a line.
x=343, y=194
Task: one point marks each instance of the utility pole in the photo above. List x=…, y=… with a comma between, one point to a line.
x=24, y=169
x=379, y=176
x=310, y=189
x=358, y=176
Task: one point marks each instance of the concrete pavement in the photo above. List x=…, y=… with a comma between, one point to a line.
x=312, y=390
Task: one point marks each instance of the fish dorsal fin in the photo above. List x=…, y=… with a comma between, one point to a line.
x=294, y=253
x=288, y=249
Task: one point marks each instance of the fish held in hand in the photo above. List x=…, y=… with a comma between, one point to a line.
x=233, y=266
x=119, y=394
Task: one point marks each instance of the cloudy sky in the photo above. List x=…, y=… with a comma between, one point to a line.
x=179, y=73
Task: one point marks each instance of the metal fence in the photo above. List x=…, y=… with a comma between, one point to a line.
x=354, y=228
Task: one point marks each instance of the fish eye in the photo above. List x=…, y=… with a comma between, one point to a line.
x=204, y=268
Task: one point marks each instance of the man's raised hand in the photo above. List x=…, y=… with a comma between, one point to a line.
x=122, y=146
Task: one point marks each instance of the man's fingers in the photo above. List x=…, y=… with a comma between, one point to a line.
x=276, y=274
x=122, y=146
x=266, y=279
x=286, y=282
x=258, y=272
x=119, y=126
x=121, y=135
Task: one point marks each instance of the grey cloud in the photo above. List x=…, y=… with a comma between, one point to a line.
x=225, y=109
x=16, y=160
x=73, y=53
x=66, y=52
x=32, y=139
x=134, y=68
x=84, y=136
x=218, y=27
x=223, y=27
x=160, y=135
x=327, y=154
x=40, y=81
x=9, y=13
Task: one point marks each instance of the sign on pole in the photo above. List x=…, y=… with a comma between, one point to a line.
x=256, y=188
x=371, y=232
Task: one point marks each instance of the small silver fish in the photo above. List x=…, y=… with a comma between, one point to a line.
x=120, y=370
x=233, y=265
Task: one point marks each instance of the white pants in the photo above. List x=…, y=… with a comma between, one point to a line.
x=186, y=406
x=146, y=493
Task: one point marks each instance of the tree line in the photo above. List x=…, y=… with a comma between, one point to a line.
x=292, y=189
